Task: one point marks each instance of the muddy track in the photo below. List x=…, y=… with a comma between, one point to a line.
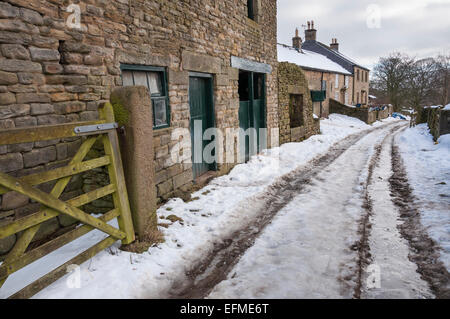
x=215, y=267
x=362, y=246
x=424, y=251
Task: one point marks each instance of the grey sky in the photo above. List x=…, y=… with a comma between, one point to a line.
x=418, y=27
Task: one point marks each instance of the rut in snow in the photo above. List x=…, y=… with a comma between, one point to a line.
x=423, y=250
x=362, y=246
x=214, y=268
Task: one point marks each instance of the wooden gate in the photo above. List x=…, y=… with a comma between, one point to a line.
x=51, y=206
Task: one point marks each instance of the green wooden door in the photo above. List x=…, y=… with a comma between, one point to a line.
x=252, y=109
x=202, y=118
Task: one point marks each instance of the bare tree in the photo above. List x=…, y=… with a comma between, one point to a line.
x=421, y=82
x=442, y=79
x=391, y=75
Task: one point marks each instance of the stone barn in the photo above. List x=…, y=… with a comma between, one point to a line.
x=208, y=60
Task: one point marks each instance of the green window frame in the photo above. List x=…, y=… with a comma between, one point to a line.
x=157, y=98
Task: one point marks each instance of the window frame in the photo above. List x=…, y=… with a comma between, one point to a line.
x=153, y=96
x=251, y=10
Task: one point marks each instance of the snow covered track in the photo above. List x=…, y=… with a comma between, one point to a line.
x=328, y=189
x=424, y=250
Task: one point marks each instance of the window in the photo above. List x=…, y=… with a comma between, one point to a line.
x=336, y=84
x=346, y=80
x=357, y=97
x=258, y=86
x=251, y=9
x=154, y=79
x=296, y=110
x=357, y=75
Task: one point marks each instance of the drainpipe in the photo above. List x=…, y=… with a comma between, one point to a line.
x=321, y=83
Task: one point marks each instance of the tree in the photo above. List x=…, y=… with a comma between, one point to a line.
x=391, y=75
x=442, y=84
x=420, y=83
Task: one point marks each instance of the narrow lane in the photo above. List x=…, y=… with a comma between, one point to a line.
x=305, y=240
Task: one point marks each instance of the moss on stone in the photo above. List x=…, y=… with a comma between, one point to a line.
x=121, y=115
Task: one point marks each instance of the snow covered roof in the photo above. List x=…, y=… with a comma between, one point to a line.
x=308, y=59
x=447, y=107
x=372, y=97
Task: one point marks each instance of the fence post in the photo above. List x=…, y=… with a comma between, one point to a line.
x=133, y=109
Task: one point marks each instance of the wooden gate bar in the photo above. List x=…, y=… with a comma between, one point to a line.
x=25, y=239
x=48, y=247
x=57, y=273
x=43, y=133
x=47, y=214
x=57, y=173
x=58, y=205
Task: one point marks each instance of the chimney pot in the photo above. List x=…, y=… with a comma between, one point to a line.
x=297, y=41
x=334, y=44
x=310, y=33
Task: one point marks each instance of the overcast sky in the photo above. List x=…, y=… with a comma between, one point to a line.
x=368, y=29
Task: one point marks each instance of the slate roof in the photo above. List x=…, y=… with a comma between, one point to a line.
x=308, y=60
x=333, y=55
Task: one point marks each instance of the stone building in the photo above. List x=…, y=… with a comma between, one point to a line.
x=358, y=84
x=326, y=79
x=60, y=59
x=296, y=119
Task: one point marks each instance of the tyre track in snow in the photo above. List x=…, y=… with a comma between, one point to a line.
x=202, y=277
x=380, y=243
x=424, y=251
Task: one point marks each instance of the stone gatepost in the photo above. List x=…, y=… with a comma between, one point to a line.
x=133, y=110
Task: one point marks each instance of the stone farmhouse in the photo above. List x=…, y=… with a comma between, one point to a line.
x=330, y=74
x=59, y=60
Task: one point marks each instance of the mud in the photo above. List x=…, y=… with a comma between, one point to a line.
x=424, y=251
x=211, y=270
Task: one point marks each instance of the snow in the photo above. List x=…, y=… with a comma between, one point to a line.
x=308, y=59
x=372, y=96
x=447, y=107
x=216, y=214
x=428, y=168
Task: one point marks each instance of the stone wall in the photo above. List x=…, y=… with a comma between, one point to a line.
x=360, y=113
x=292, y=80
x=51, y=73
x=438, y=121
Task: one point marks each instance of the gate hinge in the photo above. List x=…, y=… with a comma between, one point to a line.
x=95, y=128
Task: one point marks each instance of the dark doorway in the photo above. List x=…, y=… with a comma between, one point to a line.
x=252, y=111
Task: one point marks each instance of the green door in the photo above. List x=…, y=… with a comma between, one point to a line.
x=252, y=110
x=202, y=118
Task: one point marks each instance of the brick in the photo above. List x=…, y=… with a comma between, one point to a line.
x=8, y=11
x=39, y=156
x=7, y=98
x=31, y=16
x=15, y=51
x=182, y=179
x=53, y=68
x=13, y=200
x=25, y=121
x=69, y=107
x=7, y=78
x=21, y=147
x=13, y=65
x=39, y=54
x=61, y=151
x=7, y=243
x=11, y=162
x=165, y=188
x=76, y=69
x=33, y=98
x=39, y=109
x=31, y=78
x=15, y=26
x=51, y=119
x=14, y=37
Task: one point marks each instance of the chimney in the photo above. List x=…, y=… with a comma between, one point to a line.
x=334, y=44
x=297, y=41
x=310, y=33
